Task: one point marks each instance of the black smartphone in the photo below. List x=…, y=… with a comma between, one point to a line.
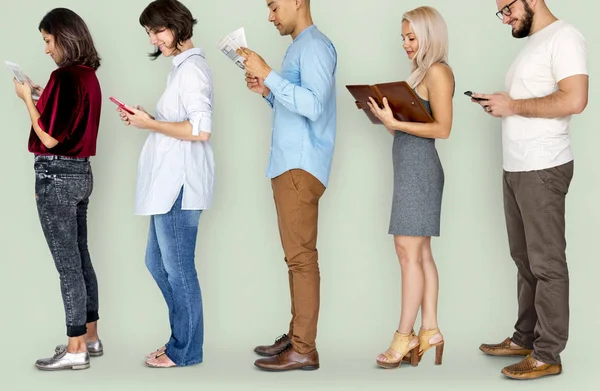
x=470, y=93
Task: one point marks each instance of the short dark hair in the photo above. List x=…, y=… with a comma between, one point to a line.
x=169, y=14
x=72, y=37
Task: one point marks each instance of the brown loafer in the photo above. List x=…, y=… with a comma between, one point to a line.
x=504, y=349
x=279, y=346
x=526, y=369
x=289, y=360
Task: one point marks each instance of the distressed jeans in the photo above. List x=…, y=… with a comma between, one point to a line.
x=63, y=187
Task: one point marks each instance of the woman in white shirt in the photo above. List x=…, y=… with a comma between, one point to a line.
x=175, y=177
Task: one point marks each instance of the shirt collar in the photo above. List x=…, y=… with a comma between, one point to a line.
x=305, y=31
x=181, y=57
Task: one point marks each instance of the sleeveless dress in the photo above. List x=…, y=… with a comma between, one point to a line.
x=418, y=185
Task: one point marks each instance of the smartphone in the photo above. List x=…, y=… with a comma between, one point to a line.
x=120, y=104
x=470, y=93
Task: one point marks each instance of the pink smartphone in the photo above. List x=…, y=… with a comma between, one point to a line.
x=120, y=104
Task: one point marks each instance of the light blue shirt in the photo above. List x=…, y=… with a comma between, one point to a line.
x=304, y=107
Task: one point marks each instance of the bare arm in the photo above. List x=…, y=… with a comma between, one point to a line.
x=180, y=130
x=440, y=86
x=48, y=141
x=568, y=65
x=570, y=98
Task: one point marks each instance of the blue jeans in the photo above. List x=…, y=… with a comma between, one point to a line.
x=170, y=260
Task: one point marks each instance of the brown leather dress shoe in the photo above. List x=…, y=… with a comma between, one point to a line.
x=279, y=346
x=503, y=349
x=526, y=369
x=288, y=360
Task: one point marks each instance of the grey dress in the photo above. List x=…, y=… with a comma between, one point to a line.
x=418, y=185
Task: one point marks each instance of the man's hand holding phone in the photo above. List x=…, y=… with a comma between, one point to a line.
x=498, y=104
x=474, y=97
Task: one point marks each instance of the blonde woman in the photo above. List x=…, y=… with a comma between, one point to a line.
x=418, y=185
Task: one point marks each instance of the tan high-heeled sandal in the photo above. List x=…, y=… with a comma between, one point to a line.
x=424, y=337
x=401, y=345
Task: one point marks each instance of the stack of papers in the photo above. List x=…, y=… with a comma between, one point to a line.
x=232, y=42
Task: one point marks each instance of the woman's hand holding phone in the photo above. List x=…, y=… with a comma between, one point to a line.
x=136, y=116
x=121, y=105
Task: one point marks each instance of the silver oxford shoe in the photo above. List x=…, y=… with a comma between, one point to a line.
x=64, y=360
x=94, y=348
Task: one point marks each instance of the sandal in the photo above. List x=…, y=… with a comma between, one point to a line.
x=424, y=345
x=159, y=365
x=424, y=337
x=401, y=344
x=155, y=353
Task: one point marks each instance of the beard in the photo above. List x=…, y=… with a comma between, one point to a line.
x=524, y=24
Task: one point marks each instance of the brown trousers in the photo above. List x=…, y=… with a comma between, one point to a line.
x=297, y=194
x=534, y=207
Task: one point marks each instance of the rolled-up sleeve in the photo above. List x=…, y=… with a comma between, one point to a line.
x=196, y=94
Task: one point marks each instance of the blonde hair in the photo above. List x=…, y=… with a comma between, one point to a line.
x=430, y=28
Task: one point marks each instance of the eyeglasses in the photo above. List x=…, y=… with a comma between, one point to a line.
x=505, y=11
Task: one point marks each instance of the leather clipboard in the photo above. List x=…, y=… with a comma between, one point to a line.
x=404, y=102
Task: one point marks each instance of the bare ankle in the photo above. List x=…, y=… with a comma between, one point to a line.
x=76, y=345
x=91, y=337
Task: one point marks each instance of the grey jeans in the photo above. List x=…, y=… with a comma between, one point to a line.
x=62, y=190
x=534, y=207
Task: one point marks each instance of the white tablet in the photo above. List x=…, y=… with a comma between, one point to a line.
x=21, y=77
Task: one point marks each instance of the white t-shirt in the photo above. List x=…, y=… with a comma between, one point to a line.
x=554, y=53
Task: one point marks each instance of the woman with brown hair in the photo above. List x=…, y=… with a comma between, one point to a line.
x=175, y=177
x=64, y=129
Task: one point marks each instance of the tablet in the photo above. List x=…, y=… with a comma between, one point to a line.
x=21, y=77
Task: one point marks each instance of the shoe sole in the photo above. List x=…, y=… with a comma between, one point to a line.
x=158, y=366
x=388, y=365
x=304, y=368
x=505, y=353
x=394, y=365
x=528, y=376
x=73, y=367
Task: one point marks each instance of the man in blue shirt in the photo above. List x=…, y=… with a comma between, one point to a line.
x=303, y=100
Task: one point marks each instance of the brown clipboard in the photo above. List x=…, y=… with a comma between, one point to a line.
x=402, y=99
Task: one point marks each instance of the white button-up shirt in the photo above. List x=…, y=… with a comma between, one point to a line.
x=166, y=163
